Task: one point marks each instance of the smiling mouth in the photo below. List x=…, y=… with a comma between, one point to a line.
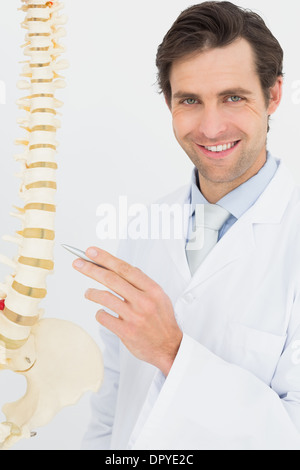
x=221, y=147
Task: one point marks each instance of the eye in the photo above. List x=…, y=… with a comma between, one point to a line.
x=235, y=99
x=190, y=101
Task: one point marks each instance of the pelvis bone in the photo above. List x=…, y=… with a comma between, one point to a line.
x=62, y=364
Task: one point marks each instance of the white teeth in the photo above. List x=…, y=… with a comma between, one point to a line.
x=220, y=148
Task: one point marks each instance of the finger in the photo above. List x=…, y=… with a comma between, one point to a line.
x=109, y=279
x=108, y=300
x=110, y=322
x=133, y=275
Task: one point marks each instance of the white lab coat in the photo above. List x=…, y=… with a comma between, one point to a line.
x=235, y=382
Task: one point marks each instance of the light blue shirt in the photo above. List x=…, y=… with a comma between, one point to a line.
x=240, y=199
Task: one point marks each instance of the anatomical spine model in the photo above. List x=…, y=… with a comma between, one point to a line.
x=59, y=360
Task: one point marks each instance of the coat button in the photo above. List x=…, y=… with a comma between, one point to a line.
x=188, y=298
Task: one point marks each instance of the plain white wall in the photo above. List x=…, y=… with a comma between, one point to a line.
x=116, y=139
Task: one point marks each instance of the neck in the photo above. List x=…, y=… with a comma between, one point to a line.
x=213, y=191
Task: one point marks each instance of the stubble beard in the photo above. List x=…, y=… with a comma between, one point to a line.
x=224, y=171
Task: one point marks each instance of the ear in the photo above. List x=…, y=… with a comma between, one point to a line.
x=275, y=96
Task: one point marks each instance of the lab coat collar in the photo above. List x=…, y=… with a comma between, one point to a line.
x=239, y=240
x=270, y=206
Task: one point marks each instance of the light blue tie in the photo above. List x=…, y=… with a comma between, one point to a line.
x=209, y=218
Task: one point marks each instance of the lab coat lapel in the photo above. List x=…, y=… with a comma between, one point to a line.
x=237, y=241
x=233, y=245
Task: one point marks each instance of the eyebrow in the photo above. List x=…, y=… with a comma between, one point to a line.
x=229, y=91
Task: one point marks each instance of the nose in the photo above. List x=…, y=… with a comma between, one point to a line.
x=211, y=123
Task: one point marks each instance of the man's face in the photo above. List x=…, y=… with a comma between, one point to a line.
x=217, y=99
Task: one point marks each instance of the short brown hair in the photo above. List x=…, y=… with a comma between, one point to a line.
x=217, y=24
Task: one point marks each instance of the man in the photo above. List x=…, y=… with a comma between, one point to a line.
x=202, y=338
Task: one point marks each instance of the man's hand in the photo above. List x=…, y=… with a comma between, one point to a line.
x=146, y=324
